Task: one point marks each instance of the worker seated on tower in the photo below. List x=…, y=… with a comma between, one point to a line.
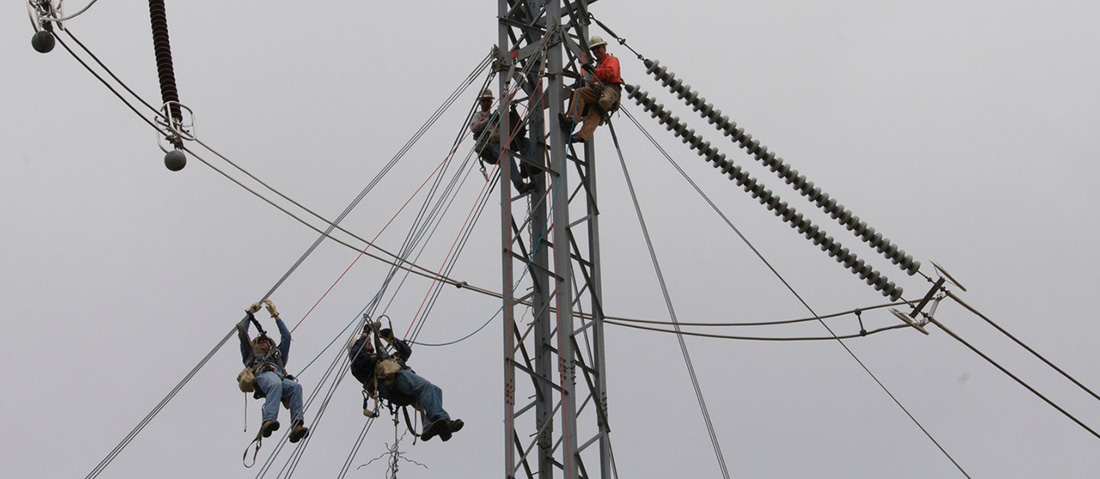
x=265, y=368
x=486, y=130
x=387, y=376
x=600, y=97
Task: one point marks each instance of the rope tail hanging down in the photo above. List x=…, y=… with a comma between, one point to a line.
x=175, y=160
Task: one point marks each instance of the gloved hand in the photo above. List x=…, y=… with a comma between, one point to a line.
x=386, y=334
x=253, y=308
x=588, y=67
x=270, y=308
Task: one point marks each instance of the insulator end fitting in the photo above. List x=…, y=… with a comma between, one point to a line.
x=43, y=42
x=175, y=160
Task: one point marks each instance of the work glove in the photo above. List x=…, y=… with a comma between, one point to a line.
x=270, y=308
x=588, y=67
x=386, y=334
x=253, y=308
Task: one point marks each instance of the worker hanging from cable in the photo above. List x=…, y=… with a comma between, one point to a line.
x=598, y=99
x=486, y=130
x=391, y=379
x=267, y=364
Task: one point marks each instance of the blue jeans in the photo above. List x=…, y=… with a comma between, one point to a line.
x=275, y=388
x=416, y=389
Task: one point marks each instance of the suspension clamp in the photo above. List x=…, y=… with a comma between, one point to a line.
x=179, y=129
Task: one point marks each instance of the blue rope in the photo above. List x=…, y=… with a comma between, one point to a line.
x=341, y=333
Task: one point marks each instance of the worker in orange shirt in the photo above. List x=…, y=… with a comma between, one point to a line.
x=600, y=96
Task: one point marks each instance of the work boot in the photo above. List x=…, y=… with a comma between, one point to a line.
x=565, y=121
x=452, y=427
x=269, y=426
x=525, y=188
x=437, y=427
x=299, y=431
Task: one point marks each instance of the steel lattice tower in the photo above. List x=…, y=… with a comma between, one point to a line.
x=554, y=377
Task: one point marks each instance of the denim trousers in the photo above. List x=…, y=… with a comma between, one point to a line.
x=421, y=391
x=276, y=388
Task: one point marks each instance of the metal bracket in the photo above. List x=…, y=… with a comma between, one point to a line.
x=943, y=272
x=179, y=128
x=902, y=316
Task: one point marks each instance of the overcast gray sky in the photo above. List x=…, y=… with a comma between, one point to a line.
x=964, y=131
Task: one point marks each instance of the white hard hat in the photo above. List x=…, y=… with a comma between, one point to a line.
x=595, y=41
x=486, y=94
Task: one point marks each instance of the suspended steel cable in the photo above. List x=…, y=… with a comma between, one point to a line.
x=70, y=17
x=1021, y=343
x=764, y=323
x=355, y=449
x=109, y=86
x=766, y=197
x=714, y=207
x=325, y=234
x=1013, y=376
x=671, y=311
x=737, y=134
x=704, y=147
x=761, y=338
x=223, y=157
x=468, y=226
x=99, y=62
x=156, y=410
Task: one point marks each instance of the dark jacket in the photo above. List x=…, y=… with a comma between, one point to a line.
x=276, y=363
x=362, y=367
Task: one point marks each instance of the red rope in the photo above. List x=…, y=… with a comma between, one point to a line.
x=387, y=225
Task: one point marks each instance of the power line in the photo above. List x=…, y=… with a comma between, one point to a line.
x=758, y=338
x=671, y=312
x=1013, y=376
x=1021, y=343
x=842, y=344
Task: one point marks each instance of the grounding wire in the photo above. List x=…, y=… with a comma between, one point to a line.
x=846, y=348
x=671, y=311
x=1021, y=343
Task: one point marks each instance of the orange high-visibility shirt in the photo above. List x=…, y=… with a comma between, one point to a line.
x=607, y=70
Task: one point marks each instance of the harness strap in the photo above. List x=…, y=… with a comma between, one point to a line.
x=257, y=441
x=408, y=422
